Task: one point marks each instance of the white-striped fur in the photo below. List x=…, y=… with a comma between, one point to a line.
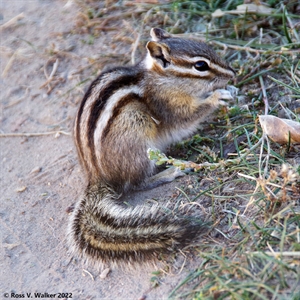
x=148, y=62
x=106, y=115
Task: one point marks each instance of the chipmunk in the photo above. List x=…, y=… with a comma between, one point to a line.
x=126, y=111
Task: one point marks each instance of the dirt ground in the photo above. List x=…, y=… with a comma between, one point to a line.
x=40, y=174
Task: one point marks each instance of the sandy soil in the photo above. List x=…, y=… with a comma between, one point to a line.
x=40, y=175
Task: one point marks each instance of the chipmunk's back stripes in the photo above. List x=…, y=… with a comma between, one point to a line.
x=96, y=99
x=77, y=126
x=117, y=110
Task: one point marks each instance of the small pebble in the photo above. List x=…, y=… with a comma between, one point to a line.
x=21, y=189
x=35, y=170
x=104, y=273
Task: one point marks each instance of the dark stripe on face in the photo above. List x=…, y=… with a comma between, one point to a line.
x=212, y=73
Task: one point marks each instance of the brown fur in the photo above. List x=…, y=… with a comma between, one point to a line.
x=125, y=112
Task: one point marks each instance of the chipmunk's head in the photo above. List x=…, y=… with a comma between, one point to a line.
x=173, y=56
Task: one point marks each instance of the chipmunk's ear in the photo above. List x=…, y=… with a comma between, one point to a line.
x=159, y=53
x=158, y=34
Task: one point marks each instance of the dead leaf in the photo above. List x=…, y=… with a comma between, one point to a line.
x=280, y=130
x=219, y=13
x=249, y=8
x=254, y=8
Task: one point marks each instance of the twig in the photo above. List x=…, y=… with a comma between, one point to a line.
x=89, y=274
x=249, y=49
x=267, y=158
x=135, y=45
x=261, y=155
x=50, y=77
x=266, y=182
x=264, y=137
x=105, y=19
x=274, y=253
x=252, y=198
x=12, y=21
x=197, y=167
x=270, y=191
x=25, y=134
x=291, y=24
x=9, y=64
x=265, y=97
x=106, y=28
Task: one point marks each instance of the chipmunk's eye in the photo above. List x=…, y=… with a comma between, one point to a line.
x=201, y=66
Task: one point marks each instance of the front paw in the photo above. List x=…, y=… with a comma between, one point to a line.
x=222, y=94
x=216, y=98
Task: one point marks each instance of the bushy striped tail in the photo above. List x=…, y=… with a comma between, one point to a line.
x=103, y=230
